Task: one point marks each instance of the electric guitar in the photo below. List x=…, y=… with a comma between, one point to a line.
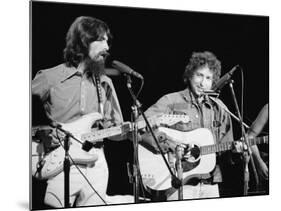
x=46, y=165
x=199, y=158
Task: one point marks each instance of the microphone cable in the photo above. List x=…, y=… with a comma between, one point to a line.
x=242, y=94
x=140, y=89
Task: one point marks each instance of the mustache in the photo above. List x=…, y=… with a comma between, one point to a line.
x=104, y=54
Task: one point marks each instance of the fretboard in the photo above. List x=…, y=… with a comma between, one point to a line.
x=112, y=131
x=106, y=133
x=208, y=149
x=165, y=119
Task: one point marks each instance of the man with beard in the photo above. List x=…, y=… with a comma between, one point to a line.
x=76, y=88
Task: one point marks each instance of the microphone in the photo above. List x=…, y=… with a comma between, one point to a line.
x=126, y=69
x=224, y=80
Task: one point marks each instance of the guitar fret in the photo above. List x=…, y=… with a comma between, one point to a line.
x=126, y=127
x=203, y=151
x=258, y=140
x=225, y=147
x=217, y=148
x=229, y=146
x=220, y=147
x=101, y=134
x=252, y=141
x=265, y=139
x=208, y=149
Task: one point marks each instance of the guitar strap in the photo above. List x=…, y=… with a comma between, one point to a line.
x=96, y=80
x=99, y=93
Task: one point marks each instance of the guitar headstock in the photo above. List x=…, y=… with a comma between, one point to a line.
x=171, y=119
x=164, y=119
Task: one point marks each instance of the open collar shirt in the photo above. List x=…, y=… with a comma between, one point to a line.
x=210, y=113
x=67, y=94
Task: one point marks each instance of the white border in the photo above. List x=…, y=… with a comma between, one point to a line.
x=15, y=100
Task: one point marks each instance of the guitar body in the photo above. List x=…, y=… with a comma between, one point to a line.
x=154, y=172
x=53, y=162
x=82, y=130
x=37, y=154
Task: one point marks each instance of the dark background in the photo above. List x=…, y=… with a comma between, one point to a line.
x=158, y=44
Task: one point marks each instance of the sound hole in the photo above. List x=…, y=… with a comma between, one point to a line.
x=191, y=153
x=191, y=157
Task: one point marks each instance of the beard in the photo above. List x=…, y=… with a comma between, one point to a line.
x=94, y=67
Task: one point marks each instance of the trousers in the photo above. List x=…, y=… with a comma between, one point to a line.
x=200, y=190
x=80, y=191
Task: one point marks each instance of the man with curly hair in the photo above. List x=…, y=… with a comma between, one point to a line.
x=201, y=73
x=76, y=88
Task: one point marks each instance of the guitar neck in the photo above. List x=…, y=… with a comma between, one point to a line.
x=165, y=119
x=106, y=133
x=142, y=124
x=208, y=149
x=112, y=131
x=258, y=140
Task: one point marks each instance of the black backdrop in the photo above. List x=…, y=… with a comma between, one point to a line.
x=157, y=43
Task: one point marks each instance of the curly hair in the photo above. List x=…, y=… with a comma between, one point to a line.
x=81, y=33
x=201, y=59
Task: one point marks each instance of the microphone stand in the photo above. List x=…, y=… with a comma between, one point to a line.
x=136, y=110
x=135, y=147
x=66, y=169
x=134, y=117
x=179, y=169
x=247, y=153
x=226, y=109
x=66, y=163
